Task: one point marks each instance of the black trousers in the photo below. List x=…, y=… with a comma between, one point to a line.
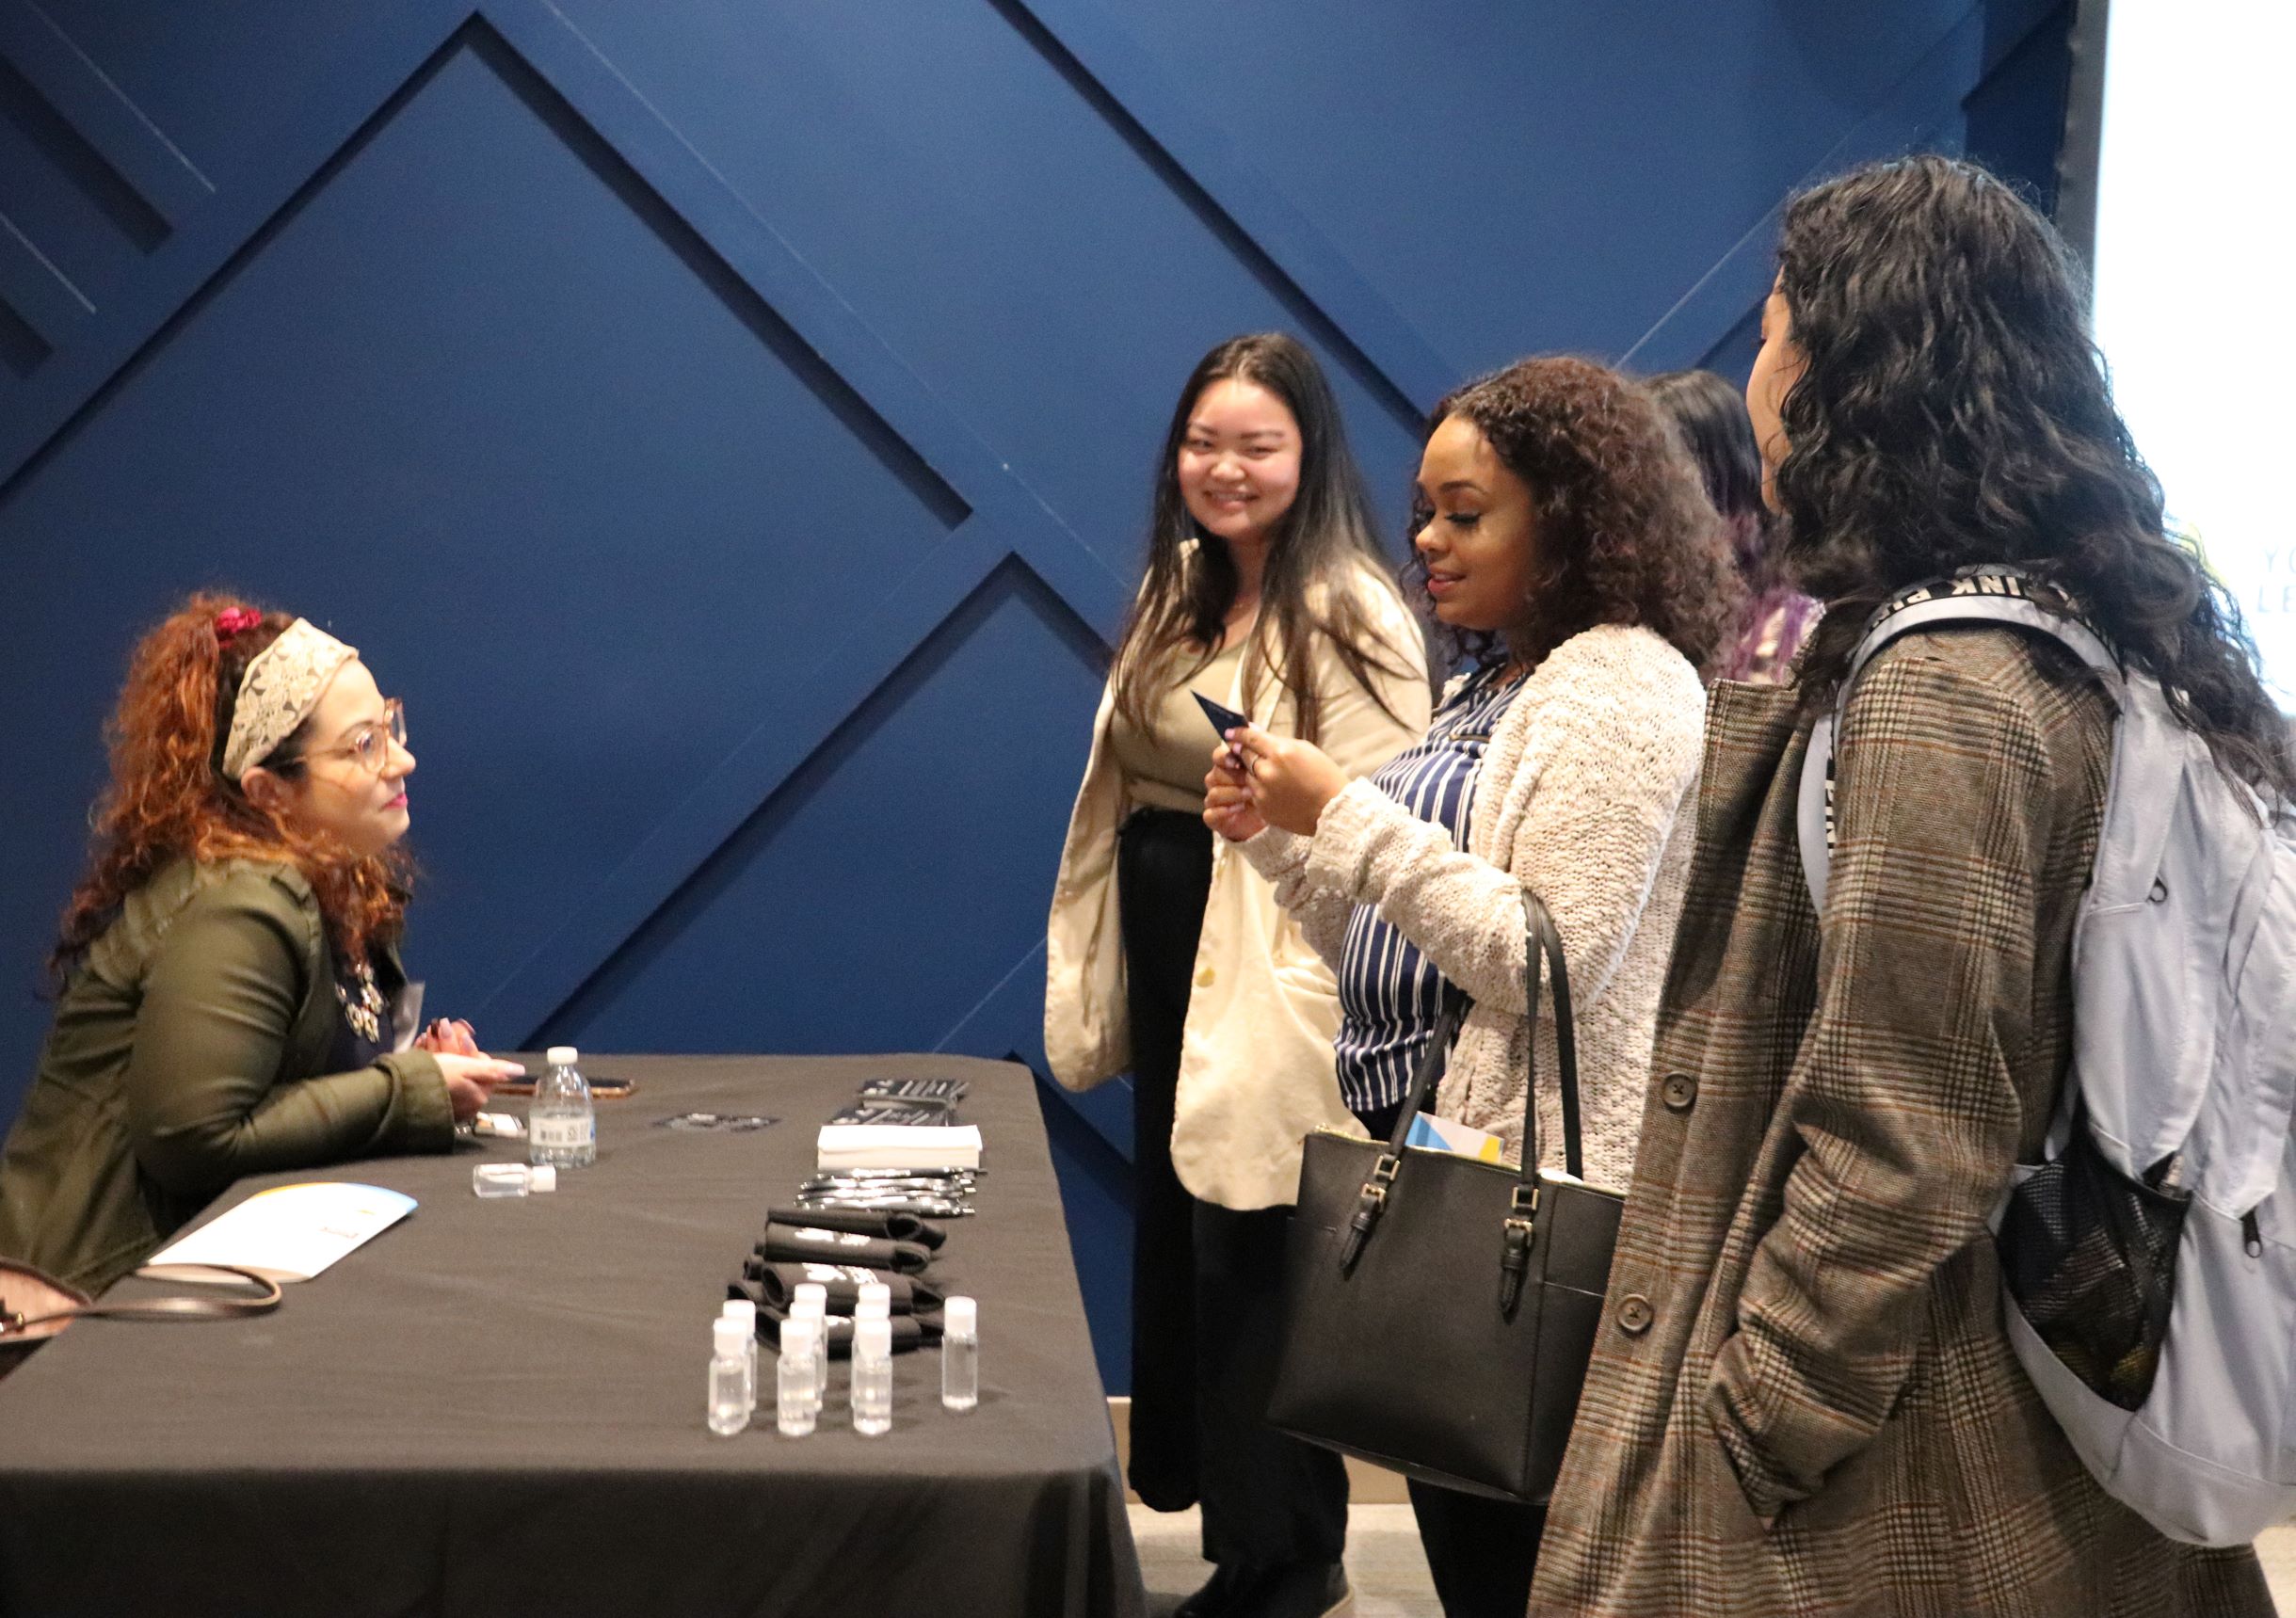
x=1268, y=1498
x=1207, y=1281
x=1163, y=872
x=1481, y=1551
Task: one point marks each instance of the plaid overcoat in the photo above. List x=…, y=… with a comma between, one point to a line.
x=1802, y=1401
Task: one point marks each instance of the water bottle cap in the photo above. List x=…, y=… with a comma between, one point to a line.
x=799, y=1333
x=562, y=1056
x=876, y=1289
x=872, y=1334
x=729, y=1337
x=871, y=1309
x=963, y=1316
x=542, y=1177
x=741, y=1309
x=811, y=1292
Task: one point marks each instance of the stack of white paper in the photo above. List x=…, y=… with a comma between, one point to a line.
x=899, y=1145
x=289, y=1233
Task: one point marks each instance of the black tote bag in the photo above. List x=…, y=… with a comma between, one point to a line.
x=1438, y=1311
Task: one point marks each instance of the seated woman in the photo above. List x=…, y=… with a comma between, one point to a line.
x=1565, y=540
x=231, y=989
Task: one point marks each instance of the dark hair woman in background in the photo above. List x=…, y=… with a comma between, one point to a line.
x=1710, y=416
x=1266, y=593
x=1809, y=1404
x=228, y=964
x=1565, y=542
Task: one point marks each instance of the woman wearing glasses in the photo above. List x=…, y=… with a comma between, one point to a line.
x=230, y=990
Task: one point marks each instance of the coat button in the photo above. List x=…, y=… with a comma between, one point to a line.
x=1634, y=1316
x=1204, y=976
x=1679, y=1091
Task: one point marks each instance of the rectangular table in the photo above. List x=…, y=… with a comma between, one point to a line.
x=497, y=1406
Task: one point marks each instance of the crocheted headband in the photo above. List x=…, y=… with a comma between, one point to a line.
x=279, y=691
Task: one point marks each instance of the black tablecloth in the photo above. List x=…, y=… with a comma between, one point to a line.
x=497, y=1406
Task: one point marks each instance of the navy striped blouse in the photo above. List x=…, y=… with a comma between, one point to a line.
x=1389, y=994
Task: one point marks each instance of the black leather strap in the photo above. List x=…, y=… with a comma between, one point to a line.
x=1542, y=948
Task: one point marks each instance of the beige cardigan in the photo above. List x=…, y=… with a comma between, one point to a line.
x=1580, y=799
x=1256, y=1074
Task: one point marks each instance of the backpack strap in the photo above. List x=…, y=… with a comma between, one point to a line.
x=1986, y=595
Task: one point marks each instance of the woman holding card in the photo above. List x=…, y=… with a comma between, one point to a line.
x=228, y=966
x=1564, y=540
x=1265, y=593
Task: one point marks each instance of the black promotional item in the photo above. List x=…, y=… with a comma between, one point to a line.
x=800, y=1244
x=1440, y=1310
x=839, y=1283
x=1224, y=719
x=886, y=1226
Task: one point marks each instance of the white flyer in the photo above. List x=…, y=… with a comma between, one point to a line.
x=289, y=1233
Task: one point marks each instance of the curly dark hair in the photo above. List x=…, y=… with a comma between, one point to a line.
x=1626, y=534
x=1953, y=410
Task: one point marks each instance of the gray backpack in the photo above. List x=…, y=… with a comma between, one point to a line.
x=2148, y=1262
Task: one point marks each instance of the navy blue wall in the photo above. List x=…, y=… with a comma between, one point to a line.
x=730, y=426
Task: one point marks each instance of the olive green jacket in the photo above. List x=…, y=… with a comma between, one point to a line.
x=186, y=1051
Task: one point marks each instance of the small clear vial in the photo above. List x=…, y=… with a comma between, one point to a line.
x=500, y=1179
x=561, y=1122
x=732, y=1394
x=960, y=1355
x=872, y=1376
x=875, y=1293
x=742, y=1310
x=796, y=1389
x=811, y=1297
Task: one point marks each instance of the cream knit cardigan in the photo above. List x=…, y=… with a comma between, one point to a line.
x=1584, y=796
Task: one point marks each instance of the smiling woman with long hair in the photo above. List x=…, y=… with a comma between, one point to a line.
x=1265, y=592
x=1807, y=1403
x=228, y=968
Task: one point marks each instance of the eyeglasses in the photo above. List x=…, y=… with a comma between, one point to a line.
x=370, y=744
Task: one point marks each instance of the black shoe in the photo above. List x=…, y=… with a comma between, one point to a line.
x=1217, y=1598
x=1295, y=1590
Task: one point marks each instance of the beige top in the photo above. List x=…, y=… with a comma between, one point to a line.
x=1164, y=767
x=1255, y=1063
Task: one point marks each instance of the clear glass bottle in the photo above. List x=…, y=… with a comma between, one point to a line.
x=872, y=1376
x=796, y=1389
x=732, y=1394
x=742, y=1310
x=960, y=1355
x=561, y=1123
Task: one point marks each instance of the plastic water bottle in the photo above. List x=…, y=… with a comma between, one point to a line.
x=872, y=1376
x=742, y=1310
x=561, y=1123
x=796, y=1385
x=960, y=1355
x=733, y=1393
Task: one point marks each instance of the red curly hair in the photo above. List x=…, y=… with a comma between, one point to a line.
x=168, y=800
x=1625, y=533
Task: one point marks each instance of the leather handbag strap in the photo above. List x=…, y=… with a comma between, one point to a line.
x=1542, y=949
x=57, y=1304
